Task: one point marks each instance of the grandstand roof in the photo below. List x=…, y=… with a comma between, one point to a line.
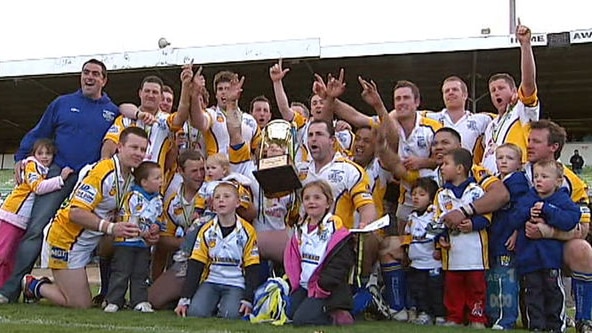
x=564, y=74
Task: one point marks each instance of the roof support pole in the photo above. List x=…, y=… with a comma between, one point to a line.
x=512, y=16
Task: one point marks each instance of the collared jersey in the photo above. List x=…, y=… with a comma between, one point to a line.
x=421, y=249
x=216, y=138
x=343, y=144
x=349, y=182
x=143, y=210
x=100, y=192
x=272, y=213
x=513, y=126
x=576, y=187
x=313, y=244
x=178, y=211
x=418, y=144
x=226, y=257
x=17, y=207
x=468, y=251
x=158, y=134
x=471, y=127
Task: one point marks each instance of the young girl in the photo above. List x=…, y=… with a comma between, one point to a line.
x=502, y=281
x=318, y=261
x=425, y=276
x=16, y=210
x=224, y=265
x=131, y=259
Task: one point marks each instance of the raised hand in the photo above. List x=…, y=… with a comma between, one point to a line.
x=523, y=34
x=277, y=72
x=335, y=86
x=370, y=93
x=235, y=89
x=319, y=87
x=187, y=74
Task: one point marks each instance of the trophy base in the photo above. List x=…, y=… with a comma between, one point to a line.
x=279, y=181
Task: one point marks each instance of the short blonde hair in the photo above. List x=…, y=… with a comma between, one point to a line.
x=514, y=147
x=325, y=189
x=558, y=167
x=221, y=160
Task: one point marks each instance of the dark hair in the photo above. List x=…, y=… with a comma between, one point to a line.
x=503, y=76
x=168, y=89
x=143, y=171
x=152, y=79
x=462, y=157
x=223, y=76
x=189, y=155
x=97, y=62
x=408, y=84
x=450, y=130
x=330, y=127
x=259, y=98
x=44, y=143
x=427, y=184
x=557, y=134
x=132, y=130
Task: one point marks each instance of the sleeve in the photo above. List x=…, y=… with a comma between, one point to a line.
x=483, y=177
x=169, y=121
x=530, y=109
x=245, y=196
x=256, y=139
x=192, y=278
x=251, y=281
x=115, y=130
x=89, y=193
x=251, y=250
x=44, y=129
x=481, y=222
x=201, y=200
x=579, y=194
x=200, y=249
x=563, y=216
x=170, y=217
x=37, y=182
x=359, y=187
x=520, y=214
x=336, y=270
x=438, y=212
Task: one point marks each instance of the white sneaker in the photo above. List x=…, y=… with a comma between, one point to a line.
x=144, y=307
x=423, y=319
x=478, y=326
x=111, y=308
x=4, y=299
x=399, y=315
x=451, y=324
x=497, y=327
x=440, y=321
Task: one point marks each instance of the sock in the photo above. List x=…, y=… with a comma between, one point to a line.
x=394, y=285
x=582, y=291
x=105, y=272
x=36, y=285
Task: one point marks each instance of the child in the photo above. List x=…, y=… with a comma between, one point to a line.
x=318, y=261
x=131, y=258
x=502, y=281
x=425, y=276
x=218, y=169
x=16, y=209
x=539, y=261
x=464, y=254
x=224, y=265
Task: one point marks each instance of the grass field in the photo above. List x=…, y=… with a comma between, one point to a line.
x=45, y=318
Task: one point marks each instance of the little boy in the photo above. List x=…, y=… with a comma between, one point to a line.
x=464, y=249
x=539, y=261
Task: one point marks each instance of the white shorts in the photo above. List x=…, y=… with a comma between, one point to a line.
x=78, y=255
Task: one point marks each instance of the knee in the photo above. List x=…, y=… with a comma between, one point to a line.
x=578, y=255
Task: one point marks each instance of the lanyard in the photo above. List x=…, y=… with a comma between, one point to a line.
x=120, y=193
x=498, y=127
x=187, y=214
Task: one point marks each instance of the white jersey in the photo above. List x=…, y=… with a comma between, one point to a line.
x=513, y=127
x=195, y=140
x=379, y=178
x=144, y=210
x=216, y=138
x=421, y=249
x=468, y=251
x=471, y=126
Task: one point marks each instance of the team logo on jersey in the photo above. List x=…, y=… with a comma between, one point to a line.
x=113, y=129
x=422, y=143
x=112, y=191
x=108, y=115
x=86, y=193
x=336, y=176
x=302, y=174
x=33, y=177
x=59, y=254
x=255, y=250
x=250, y=122
x=240, y=240
x=162, y=123
x=472, y=125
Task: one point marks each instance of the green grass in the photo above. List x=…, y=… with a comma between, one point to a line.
x=46, y=318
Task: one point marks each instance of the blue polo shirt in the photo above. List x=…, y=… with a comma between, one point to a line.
x=77, y=124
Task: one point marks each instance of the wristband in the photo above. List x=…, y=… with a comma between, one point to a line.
x=184, y=301
x=101, y=223
x=110, y=228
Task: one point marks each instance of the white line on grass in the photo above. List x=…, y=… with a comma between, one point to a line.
x=5, y=320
